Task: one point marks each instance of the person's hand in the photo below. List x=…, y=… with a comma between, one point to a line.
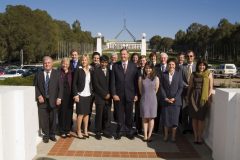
x=107, y=96
x=76, y=98
x=58, y=101
x=172, y=100
x=116, y=98
x=168, y=100
x=40, y=99
x=135, y=98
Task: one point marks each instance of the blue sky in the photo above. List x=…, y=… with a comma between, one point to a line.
x=154, y=17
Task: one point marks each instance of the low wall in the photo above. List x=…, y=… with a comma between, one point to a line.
x=224, y=135
x=18, y=123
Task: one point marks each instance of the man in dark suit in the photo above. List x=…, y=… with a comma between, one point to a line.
x=49, y=93
x=124, y=92
x=160, y=68
x=74, y=62
x=137, y=118
x=101, y=88
x=187, y=70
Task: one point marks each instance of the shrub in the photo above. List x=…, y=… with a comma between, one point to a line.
x=18, y=81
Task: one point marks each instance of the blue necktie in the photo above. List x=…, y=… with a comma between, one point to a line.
x=46, y=84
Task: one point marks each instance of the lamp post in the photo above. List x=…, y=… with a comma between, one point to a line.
x=21, y=57
x=143, y=48
x=99, y=43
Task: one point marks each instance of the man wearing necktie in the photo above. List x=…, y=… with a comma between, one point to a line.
x=124, y=92
x=187, y=70
x=137, y=118
x=49, y=93
x=101, y=89
x=74, y=63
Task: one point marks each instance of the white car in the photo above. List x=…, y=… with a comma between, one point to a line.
x=227, y=69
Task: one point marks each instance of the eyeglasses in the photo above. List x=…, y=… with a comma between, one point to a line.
x=190, y=56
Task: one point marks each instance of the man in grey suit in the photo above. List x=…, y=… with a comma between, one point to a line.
x=124, y=93
x=49, y=93
x=187, y=70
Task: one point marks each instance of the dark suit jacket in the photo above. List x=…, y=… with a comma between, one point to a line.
x=72, y=67
x=173, y=90
x=124, y=85
x=55, y=87
x=101, y=85
x=79, y=81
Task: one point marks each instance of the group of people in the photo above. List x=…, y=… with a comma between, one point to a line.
x=157, y=90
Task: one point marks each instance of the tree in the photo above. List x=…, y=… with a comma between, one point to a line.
x=155, y=41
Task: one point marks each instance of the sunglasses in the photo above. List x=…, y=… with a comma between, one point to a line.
x=190, y=56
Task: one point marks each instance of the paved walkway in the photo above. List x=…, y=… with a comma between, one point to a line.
x=110, y=149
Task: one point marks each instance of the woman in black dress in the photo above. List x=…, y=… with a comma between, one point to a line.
x=82, y=90
x=199, y=92
x=66, y=108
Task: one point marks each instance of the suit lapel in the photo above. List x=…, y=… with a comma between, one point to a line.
x=42, y=79
x=121, y=67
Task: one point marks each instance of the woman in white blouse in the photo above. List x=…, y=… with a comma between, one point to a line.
x=82, y=90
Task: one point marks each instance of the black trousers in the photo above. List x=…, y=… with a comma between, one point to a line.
x=137, y=118
x=124, y=116
x=47, y=120
x=157, y=119
x=103, y=118
x=65, y=117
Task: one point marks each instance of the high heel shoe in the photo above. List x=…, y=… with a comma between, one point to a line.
x=82, y=137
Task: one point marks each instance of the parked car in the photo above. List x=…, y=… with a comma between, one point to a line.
x=13, y=73
x=226, y=70
x=211, y=68
x=2, y=72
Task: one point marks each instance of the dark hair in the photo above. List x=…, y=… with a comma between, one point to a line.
x=189, y=51
x=152, y=54
x=142, y=56
x=134, y=54
x=153, y=74
x=104, y=58
x=172, y=60
x=73, y=50
x=95, y=53
x=201, y=61
x=181, y=53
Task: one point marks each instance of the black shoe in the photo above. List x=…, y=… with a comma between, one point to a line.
x=107, y=135
x=130, y=136
x=118, y=137
x=53, y=139
x=98, y=136
x=45, y=139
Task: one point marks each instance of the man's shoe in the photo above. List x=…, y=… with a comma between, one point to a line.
x=107, y=135
x=98, y=136
x=118, y=137
x=45, y=139
x=130, y=136
x=53, y=139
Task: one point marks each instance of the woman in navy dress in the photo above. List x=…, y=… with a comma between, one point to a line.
x=171, y=90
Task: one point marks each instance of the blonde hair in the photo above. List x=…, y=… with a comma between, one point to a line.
x=87, y=57
x=65, y=59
